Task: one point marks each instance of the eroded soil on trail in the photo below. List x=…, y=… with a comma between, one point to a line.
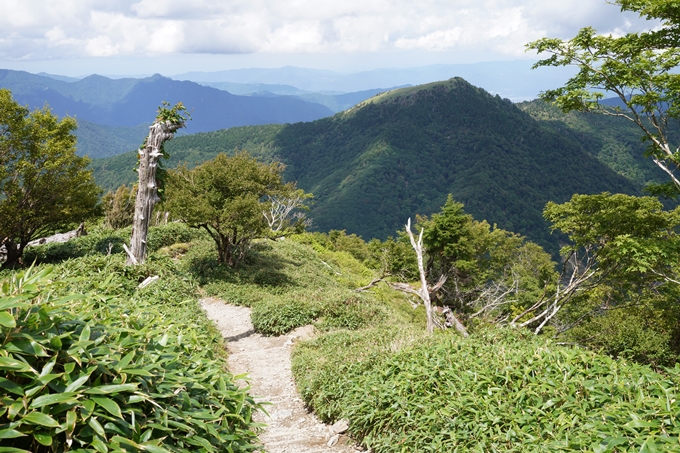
x=266, y=360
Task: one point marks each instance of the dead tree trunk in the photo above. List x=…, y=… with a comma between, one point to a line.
x=147, y=191
x=424, y=291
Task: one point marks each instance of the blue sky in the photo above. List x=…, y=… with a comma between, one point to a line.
x=137, y=37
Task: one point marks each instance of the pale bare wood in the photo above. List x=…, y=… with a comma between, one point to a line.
x=147, y=189
x=424, y=292
x=373, y=283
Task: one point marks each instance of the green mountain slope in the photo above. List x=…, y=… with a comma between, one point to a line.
x=613, y=140
x=100, y=141
x=400, y=154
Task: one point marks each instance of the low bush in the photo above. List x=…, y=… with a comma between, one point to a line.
x=288, y=285
x=277, y=317
x=109, y=242
x=499, y=390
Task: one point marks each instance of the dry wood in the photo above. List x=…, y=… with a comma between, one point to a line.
x=147, y=189
x=425, y=292
x=374, y=282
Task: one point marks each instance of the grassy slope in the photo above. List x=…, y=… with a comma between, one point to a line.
x=156, y=339
x=499, y=390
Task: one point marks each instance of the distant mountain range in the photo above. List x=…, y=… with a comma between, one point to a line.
x=514, y=80
x=337, y=102
x=101, y=101
x=401, y=152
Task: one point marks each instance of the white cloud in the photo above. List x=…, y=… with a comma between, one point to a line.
x=39, y=29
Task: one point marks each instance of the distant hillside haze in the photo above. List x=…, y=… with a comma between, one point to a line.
x=401, y=153
x=514, y=80
x=133, y=102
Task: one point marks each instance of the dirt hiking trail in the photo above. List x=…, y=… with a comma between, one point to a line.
x=266, y=360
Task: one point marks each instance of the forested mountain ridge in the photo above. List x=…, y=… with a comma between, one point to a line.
x=132, y=102
x=400, y=154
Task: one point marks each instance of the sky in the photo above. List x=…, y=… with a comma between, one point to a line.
x=142, y=37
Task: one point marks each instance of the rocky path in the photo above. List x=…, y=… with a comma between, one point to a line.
x=290, y=428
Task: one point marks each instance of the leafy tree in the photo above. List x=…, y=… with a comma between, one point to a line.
x=44, y=185
x=119, y=207
x=620, y=279
x=624, y=242
x=228, y=197
x=480, y=271
x=638, y=68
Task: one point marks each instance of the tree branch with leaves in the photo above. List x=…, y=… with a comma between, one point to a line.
x=637, y=68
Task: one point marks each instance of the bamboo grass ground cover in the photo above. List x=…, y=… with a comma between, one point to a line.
x=91, y=363
x=289, y=284
x=497, y=391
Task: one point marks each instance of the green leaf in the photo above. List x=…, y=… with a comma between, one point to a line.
x=115, y=388
x=55, y=398
x=8, y=363
x=14, y=302
x=154, y=448
x=43, y=439
x=38, y=418
x=136, y=372
x=7, y=320
x=11, y=387
x=97, y=427
x=88, y=408
x=29, y=347
x=12, y=450
x=98, y=445
x=85, y=334
x=75, y=385
x=108, y=404
x=125, y=361
x=10, y=433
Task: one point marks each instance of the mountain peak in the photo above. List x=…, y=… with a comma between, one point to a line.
x=400, y=93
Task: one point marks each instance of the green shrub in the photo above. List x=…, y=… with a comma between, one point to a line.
x=276, y=317
x=109, y=242
x=119, y=207
x=499, y=390
x=89, y=373
x=352, y=313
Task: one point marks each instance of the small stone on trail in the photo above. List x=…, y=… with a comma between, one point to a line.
x=333, y=440
x=285, y=413
x=340, y=426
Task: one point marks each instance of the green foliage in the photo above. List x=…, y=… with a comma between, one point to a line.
x=276, y=317
x=226, y=197
x=614, y=141
x=107, y=242
x=101, y=141
x=627, y=235
x=629, y=248
x=639, y=68
x=119, y=207
x=288, y=284
x=496, y=391
x=37, y=157
x=490, y=271
x=340, y=241
x=177, y=114
x=97, y=373
x=642, y=327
